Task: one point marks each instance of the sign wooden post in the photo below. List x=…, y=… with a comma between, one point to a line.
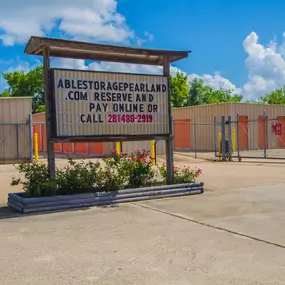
x=49, y=123
x=169, y=142
x=84, y=106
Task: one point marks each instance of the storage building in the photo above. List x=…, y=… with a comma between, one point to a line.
x=15, y=135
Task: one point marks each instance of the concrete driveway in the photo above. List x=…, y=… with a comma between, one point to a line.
x=232, y=234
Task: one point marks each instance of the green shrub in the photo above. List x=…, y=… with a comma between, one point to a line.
x=37, y=182
x=124, y=170
x=79, y=177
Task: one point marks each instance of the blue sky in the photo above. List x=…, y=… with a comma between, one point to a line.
x=234, y=44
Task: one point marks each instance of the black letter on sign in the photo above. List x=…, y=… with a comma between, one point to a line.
x=115, y=107
x=67, y=83
x=82, y=118
x=60, y=84
x=96, y=96
x=150, y=98
x=152, y=108
x=91, y=106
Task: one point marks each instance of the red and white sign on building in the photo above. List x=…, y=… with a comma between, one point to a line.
x=277, y=129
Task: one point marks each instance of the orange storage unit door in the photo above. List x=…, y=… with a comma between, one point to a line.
x=67, y=148
x=243, y=133
x=281, y=138
x=182, y=134
x=81, y=148
x=57, y=147
x=96, y=148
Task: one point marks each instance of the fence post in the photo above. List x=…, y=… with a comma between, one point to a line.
x=42, y=126
x=31, y=137
x=264, y=134
x=237, y=130
x=17, y=142
x=172, y=125
x=219, y=145
x=234, y=140
x=223, y=138
x=195, y=137
x=118, y=148
x=215, y=135
x=36, y=147
x=230, y=138
x=153, y=152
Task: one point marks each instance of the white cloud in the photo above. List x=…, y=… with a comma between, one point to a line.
x=20, y=65
x=93, y=20
x=113, y=67
x=148, y=38
x=265, y=65
x=258, y=85
x=69, y=63
x=125, y=67
x=216, y=81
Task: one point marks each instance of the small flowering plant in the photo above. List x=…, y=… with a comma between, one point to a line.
x=133, y=169
x=181, y=174
x=128, y=169
x=138, y=165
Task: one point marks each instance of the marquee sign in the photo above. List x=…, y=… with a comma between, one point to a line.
x=102, y=104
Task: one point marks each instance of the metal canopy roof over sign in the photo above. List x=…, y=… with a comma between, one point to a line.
x=90, y=51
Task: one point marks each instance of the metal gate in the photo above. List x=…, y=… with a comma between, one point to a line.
x=241, y=137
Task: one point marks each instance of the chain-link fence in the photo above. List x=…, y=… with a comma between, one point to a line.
x=195, y=138
x=262, y=137
x=226, y=137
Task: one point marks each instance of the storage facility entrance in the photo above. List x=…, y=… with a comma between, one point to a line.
x=243, y=133
x=252, y=130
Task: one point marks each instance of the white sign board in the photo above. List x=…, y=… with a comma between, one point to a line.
x=101, y=104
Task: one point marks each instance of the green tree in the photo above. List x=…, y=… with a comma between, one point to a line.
x=198, y=93
x=179, y=89
x=5, y=93
x=23, y=84
x=201, y=94
x=40, y=109
x=222, y=96
x=275, y=97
